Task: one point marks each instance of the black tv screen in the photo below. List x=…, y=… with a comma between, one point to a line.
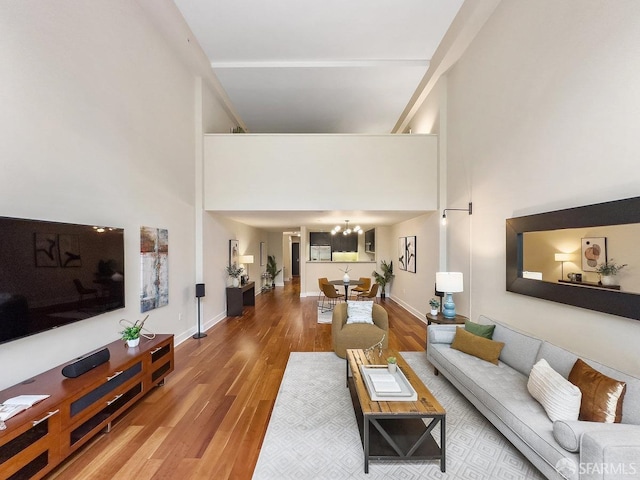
x=54, y=274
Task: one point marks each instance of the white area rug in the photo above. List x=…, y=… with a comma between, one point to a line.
x=324, y=317
x=313, y=433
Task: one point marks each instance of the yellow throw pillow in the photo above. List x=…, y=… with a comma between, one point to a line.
x=488, y=350
x=601, y=395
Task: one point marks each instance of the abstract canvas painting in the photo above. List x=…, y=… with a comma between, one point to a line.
x=154, y=260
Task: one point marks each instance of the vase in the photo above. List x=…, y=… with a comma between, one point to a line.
x=608, y=280
x=346, y=278
x=235, y=282
x=133, y=343
x=434, y=311
x=392, y=367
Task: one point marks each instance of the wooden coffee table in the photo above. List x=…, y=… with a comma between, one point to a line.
x=399, y=432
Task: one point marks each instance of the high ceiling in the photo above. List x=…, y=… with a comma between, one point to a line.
x=330, y=66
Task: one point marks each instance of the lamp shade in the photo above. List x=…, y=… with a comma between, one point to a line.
x=246, y=259
x=563, y=257
x=449, y=282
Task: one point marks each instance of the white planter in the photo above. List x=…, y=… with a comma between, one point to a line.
x=235, y=282
x=608, y=280
x=392, y=367
x=434, y=311
x=133, y=343
x=346, y=278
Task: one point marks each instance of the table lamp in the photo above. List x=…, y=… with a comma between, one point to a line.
x=246, y=260
x=562, y=257
x=449, y=283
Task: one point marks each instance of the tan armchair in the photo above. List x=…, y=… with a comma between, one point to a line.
x=358, y=335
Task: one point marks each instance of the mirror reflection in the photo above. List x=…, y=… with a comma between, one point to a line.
x=574, y=256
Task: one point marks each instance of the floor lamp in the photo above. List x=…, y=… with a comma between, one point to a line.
x=199, y=295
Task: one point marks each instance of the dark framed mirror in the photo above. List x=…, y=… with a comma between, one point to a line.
x=587, y=295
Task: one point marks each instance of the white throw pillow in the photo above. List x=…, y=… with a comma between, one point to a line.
x=559, y=397
x=359, y=312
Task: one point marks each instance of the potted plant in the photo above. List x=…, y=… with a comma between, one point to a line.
x=392, y=364
x=608, y=270
x=272, y=269
x=234, y=272
x=385, y=277
x=434, y=304
x=132, y=335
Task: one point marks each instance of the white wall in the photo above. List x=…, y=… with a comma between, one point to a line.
x=98, y=125
x=344, y=169
x=413, y=290
x=542, y=114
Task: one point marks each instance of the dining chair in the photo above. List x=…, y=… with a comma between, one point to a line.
x=372, y=293
x=366, y=285
x=332, y=296
x=321, y=295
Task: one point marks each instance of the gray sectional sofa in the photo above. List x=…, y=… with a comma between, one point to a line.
x=573, y=450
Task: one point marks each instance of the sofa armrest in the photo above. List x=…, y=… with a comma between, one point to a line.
x=568, y=433
x=441, y=333
x=610, y=453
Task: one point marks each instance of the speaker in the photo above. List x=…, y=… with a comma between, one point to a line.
x=199, y=290
x=84, y=364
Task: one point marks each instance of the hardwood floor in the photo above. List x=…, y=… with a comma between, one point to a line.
x=209, y=419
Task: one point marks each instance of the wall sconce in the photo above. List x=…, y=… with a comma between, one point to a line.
x=444, y=212
x=563, y=257
x=449, y=282
x=246, y=260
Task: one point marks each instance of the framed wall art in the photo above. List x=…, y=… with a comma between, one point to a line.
x=410, y=255
x=263, y=253
x=593, y=252
x=154, y=259
x=234, y=252
x=402, y=253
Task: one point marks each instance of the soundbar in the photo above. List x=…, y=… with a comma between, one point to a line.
x=84, y=364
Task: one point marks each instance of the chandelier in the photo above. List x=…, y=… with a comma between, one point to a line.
x=347, y=230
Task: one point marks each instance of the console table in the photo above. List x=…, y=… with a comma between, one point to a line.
x=238, y=297
x=39, y=438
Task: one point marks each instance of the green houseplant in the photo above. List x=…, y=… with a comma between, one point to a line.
x=392, y=364
x=131, y=335
x=434, y=304
x=272, y=269
x=385, y=277
x=608, y=270
x=234, y=271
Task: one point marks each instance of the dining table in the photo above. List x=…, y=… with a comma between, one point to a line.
x=350, y=283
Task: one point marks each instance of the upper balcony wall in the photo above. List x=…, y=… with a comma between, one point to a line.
x=320, y=172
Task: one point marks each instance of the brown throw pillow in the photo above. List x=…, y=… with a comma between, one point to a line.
x=488, y=350
x=601, y=396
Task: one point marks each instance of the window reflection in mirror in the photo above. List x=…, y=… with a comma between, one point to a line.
x=622, y=246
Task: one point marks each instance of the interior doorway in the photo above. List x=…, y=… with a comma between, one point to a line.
x=295, y=259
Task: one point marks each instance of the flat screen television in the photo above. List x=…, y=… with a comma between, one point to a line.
x=53, y=274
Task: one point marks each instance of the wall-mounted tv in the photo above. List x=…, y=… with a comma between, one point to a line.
x=54, y=274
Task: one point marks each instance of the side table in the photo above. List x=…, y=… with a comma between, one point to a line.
x=238, y=297
x=439, y=318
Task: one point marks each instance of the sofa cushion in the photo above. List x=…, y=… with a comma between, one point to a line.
x=480, y=347
x=562, y=361
x=520, y=349
x=602, y=396
x=485, y=331
x=558, y=396
x=359, y=312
